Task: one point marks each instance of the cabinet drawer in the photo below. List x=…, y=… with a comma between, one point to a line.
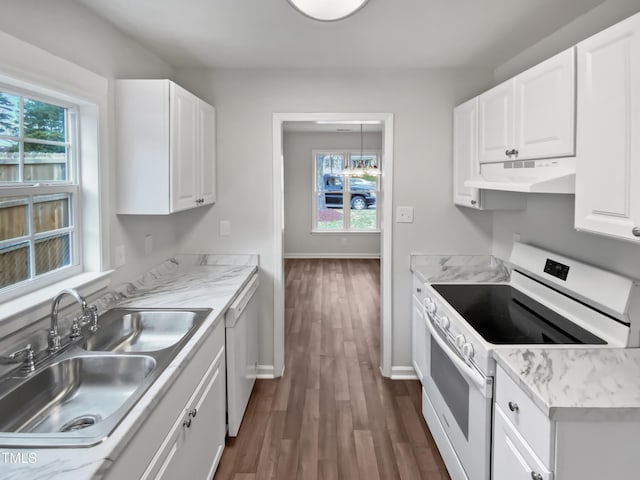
x=524, y=415
x=513, y=458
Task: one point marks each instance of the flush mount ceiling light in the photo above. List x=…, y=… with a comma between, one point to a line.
x=328, y=10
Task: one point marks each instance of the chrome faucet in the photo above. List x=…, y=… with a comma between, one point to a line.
x=29, y=364
x=53, y=339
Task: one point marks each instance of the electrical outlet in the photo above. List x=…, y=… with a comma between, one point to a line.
x=119, y=259
x=404, y=215
x=225, y=228
x=148, y=244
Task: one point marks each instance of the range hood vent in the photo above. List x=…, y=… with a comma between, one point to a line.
x=529, y=176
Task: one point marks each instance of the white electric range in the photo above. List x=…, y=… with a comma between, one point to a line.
x=549, y=301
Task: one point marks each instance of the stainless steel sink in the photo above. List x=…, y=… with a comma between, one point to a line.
x=79, y=392
x=129, y=330
x=76, y=397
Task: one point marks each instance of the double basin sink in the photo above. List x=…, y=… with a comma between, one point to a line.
x=78, y=397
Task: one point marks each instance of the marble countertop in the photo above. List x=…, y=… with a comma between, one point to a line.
x=578, y=384
x=194, y=281
x=459, y=268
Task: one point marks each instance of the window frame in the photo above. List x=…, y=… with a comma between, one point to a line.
x=346, y=193
x=71, y=186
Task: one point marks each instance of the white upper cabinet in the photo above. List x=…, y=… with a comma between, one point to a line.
x=532, y=115
x=183, y=126
x=166, y=148
x=608, y=168
x=207, y=172
x=465, y=153
x=496, y=122
x=466, y=165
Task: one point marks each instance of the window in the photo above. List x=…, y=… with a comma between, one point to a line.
x=39, y=190
x=345, y=202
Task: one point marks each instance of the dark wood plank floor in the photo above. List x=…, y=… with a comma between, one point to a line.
x=332, y=415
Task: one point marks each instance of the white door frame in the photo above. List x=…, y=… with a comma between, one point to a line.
x=386, y=226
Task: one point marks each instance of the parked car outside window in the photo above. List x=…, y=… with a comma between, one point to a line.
x=363, y=192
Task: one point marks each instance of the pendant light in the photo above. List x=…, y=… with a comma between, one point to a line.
x=359, y=170
x=328, y=10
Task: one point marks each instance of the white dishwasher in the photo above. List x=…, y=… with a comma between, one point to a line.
x=241, y=330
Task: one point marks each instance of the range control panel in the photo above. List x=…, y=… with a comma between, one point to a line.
x=556, y=269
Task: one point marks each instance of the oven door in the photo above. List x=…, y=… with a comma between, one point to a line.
x=461, y=399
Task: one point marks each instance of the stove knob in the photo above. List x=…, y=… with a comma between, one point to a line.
x=460, y=341
x=430, y=305
x=467, y=350
x=445, y=323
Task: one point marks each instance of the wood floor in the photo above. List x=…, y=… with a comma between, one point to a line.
x=332, y=415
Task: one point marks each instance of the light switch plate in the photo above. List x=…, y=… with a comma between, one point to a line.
x=404, y=215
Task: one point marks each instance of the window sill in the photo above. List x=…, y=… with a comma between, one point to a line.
x=344, y=232
x=36, y=305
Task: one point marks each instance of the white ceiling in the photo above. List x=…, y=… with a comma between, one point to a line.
x=384, y=34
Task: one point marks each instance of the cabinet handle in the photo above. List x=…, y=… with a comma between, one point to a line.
x=507, y=153
x=536, y=476
x=187, y=423
x=193, y=413
x=515, y=152
x=419, y=290
x=473, y=202
x=636, y=231
x=513, y=406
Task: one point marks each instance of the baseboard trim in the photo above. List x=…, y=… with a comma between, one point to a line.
x=266, y=372
x=331, y=255
x=403, y=373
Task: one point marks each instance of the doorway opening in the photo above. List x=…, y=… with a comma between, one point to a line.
x=358, y=204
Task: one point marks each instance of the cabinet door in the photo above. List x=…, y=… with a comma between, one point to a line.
x=512, y=457
x=204, y=441
x=496, y=115
x=608, y=167
x=545, y=108
x=184, y=148
x=465, y=153
x=418, y=340
x=207, y=154
x=196, y=439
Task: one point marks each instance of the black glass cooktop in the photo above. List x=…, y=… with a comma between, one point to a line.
x=505, y=316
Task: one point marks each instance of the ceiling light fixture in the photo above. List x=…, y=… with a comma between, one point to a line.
x=328, y=10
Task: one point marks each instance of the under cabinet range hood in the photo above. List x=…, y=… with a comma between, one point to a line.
x=556, y=175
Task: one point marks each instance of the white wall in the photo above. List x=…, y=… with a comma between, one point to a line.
x=548, y=220
x=422, y=101
x=68, y=30
x=298, y=186
x=597, y=19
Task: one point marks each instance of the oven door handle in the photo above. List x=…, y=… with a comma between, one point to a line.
x=482, y=382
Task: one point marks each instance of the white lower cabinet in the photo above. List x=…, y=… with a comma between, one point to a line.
x=585, y=445
x=513, y=459
x=522, y=435
x=184, y=435
x=196, y=439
